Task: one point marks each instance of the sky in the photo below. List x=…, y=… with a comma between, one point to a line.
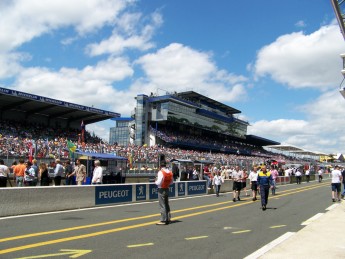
x=278, y=62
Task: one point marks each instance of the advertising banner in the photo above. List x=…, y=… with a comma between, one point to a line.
x=113, y=194
x=154, y=191
x=140, y=190
x=197, y=187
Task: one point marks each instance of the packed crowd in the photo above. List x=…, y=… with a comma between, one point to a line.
x=25, y=139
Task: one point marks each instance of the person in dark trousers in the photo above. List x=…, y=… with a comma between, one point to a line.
x=69, y=172
x=265, y=183
x=4, y=171
x=58, y=172
x=164, y=180
x=217, y=181
x=44, y=176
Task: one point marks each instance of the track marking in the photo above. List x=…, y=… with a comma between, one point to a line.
x=332, y=206
x=242, y=231
x=279, y=226
x=225, y=228
x=114, y=230
x=312, y=219
x=288, y=192
x=193, y=238
x=140, y=245
x=269, y=246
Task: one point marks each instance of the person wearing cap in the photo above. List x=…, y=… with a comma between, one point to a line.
x=265, y=182
x=163, y=181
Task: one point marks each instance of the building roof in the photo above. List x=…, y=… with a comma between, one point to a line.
x=259, y=141
x=193, y=96
x=12, y=100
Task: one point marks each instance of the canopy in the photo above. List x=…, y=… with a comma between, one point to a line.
x=100, y=156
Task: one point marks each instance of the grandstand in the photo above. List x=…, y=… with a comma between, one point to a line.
x=26, y=107
x=184, y=125
x=190, y=120
x=44, y=123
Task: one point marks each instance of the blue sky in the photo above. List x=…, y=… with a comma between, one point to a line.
x=276, y=61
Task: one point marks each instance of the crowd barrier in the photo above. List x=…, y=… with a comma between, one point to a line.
x=28, y=200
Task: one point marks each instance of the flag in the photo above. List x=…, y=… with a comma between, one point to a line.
x=82, y=125
x=71, y=146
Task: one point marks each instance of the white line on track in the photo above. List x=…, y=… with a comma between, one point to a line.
x=269, y=246
x=332, y=206
x=312, y=219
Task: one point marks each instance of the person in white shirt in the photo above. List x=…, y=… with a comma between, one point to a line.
x=253, y=177
x=320, y=173
x=336, y=183
x=97, y=173
x=307, y=175
x=4, y=171
x=298, y=175
x=217, y=181
x=237, y=176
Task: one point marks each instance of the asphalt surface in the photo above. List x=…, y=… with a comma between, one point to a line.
x=203, y=227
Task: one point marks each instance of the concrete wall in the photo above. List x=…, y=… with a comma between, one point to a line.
x=28, y=200
x=17, y=201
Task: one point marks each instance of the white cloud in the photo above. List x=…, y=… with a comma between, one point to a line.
x=300, y=60
x=300, y=24
x=324, y=128
x=89, y=86
x=127, y=36
x=180, y=68
x=21, y=20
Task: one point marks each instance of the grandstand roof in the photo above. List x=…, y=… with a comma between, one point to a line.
x=286, y=148
x=259, y=141
x=35, y=104
x=191, y=95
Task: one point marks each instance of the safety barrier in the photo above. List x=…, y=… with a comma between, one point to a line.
x=28, y=200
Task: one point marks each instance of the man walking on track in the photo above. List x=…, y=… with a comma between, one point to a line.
x=265, y=182
x=164, y=179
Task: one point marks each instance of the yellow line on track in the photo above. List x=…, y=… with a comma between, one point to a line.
x=279, y=226
x=140, y=245
x=193, y=238
x=118, y=221
x=61, y=240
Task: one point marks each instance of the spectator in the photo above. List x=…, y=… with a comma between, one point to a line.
x=97, y=173
x=4, y=171
x=19, y=172
x=29, y=178
x=79, y=172
x=58, y=172
x=44, y=176
x=69, y=173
